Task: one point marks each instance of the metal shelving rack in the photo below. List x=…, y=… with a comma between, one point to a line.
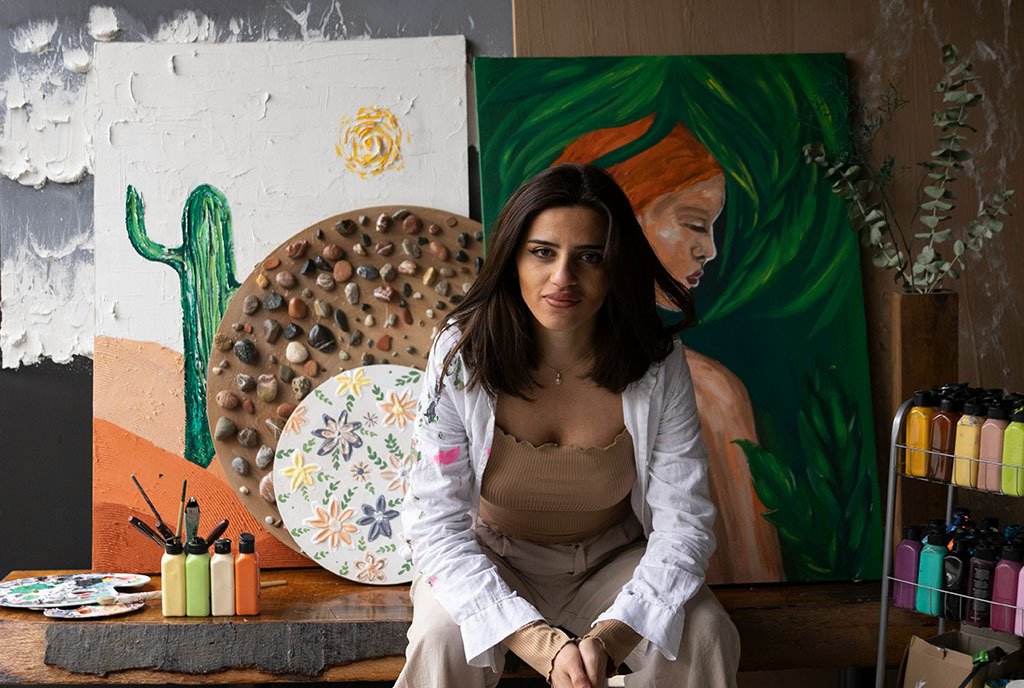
x=896, y=449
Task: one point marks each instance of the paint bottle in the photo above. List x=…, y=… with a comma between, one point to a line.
x=222, y=579
x=979, y=585
x=967, y=446
x=247, y=577
x=954, y=579
x=1004, y=589
x=990, y=469
x=918, y=436
x=908, y=554
x=929, y=573
x=172, y=579
x=1018, y=624
x=944, y=438
x=197, y=578
x=1013, y=455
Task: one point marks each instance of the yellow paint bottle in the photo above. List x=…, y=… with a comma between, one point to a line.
x=918, y=435
x=968, y=445
x=172, y=579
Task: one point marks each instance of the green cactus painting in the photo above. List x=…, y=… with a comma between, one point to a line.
x=205, y=264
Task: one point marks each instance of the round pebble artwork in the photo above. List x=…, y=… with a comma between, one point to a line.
x=65, y=590
x=358, y=289
x=341, y=471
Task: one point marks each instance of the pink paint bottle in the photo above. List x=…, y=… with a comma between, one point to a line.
x=1018, y=624
x=908, y=554
x=1004, y=589
x=990, y=468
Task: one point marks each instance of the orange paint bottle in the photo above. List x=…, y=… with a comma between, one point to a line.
x=247, y=577
x=944, y=439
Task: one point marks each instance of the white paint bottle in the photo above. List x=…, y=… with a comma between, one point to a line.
x=222, y=579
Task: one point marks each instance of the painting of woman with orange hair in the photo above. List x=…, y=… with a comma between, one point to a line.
x=708, y=149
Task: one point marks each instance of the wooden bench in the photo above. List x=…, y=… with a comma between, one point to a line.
x=323, y=628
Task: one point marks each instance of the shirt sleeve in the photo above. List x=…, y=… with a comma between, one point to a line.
x=681, y=540
x=617, y=639
x=537, y=643
x=438, y=522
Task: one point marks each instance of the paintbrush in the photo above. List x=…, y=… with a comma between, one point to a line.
x=181, y=511
x=191, y=519
x=217, y=531
x=164, y=530
x=128, y=598
x=144, y=528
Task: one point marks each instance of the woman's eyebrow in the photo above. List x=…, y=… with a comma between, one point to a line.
x=552, y=244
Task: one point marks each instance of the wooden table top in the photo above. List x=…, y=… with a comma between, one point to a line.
x=323, y=628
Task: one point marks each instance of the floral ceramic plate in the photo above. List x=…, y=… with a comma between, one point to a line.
x=93, y=611
x=65, y=590
x=342, y=469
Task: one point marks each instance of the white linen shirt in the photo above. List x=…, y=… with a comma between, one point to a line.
x=451, y=445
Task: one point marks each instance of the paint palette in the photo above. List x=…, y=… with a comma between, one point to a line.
x=358, y=289
x=341, y=471
x=94, y=611
x=66, y=590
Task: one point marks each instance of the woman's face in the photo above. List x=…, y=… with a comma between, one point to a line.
x=680, y=227
x=561, y=267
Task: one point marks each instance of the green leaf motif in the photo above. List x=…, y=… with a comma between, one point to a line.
x=377, y=392
x=308, y=444
x=406, y=567
x=323, y=397
x=299, y=532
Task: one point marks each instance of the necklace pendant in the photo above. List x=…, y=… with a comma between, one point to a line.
x=558, y=379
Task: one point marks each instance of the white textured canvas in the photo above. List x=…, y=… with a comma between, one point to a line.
x=263, y=123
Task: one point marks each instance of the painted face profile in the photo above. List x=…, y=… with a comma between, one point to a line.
x=676, y=187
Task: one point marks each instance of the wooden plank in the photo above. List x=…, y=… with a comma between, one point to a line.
x=323, y=628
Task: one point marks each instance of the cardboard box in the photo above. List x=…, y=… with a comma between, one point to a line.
x=943, y=661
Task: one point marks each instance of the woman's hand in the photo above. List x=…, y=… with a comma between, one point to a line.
x=569, y=671
x=595, y=661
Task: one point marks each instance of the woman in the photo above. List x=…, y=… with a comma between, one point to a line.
x=677, y=189
x=560, y=478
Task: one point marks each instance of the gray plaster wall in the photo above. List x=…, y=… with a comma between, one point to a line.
x=46, y=409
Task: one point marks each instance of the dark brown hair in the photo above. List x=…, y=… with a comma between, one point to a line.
x=496, y=340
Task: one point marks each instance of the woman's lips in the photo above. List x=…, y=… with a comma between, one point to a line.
x=561, y=300
x=694, y=279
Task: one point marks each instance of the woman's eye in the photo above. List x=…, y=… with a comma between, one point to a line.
x=542, y=252
x=696, y=227
x=592, y=258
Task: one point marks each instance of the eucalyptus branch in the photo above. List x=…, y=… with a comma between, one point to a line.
x=879, y=224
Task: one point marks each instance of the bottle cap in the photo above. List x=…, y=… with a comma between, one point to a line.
x=998, y=412
x=1018, y=415
x=246, y=543
x=974, y=407
x=1013, y=554
x=924, y=398
x=912, y=533
x=951, y=404
x=173, y=546
x=197, y=545
x=939, y=539
x=985, y=552
x=222, y=546
x=934, y=525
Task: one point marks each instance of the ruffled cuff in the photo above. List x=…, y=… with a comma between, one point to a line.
x=617, y=639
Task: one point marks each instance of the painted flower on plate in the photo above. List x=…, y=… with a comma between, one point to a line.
x=370, y=419
x=351, y=382
x=378, y=518
x=339, y=433
x=398, y=409
x=296, y=420
x=360, y=471
x=300, y=472
x=331, y=524
x=398, y=474
x=371, y=569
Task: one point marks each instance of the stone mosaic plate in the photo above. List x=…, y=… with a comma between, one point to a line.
x=364, y=287
x=66, y=590
x=341, y=472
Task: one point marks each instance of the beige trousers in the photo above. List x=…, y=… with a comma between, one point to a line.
x=571, y=585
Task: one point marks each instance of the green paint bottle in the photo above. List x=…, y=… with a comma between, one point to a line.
x=1013, y=455
x=930, y=573
x=197, y=578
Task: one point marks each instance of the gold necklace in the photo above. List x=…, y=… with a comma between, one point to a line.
x=558, y=373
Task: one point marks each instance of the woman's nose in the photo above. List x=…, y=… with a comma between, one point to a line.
x=704, y=249
x=564, y=274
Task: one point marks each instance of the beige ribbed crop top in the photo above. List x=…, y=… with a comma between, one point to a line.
x=554, y=493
